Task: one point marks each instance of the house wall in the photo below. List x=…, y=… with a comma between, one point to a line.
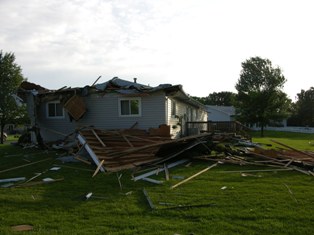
x=103, y=112
x=215, y=115
x=53, y=129
x=184, y=113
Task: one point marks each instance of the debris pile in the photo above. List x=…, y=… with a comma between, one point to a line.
x=118, y=150
x=131, y=149
x=248, y=153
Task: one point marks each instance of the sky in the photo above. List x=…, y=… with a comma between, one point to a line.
x=199, y=44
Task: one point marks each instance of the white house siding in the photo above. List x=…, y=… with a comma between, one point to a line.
x=218, y=116
x=54, y=129
x=184, y=113
x=103, y=112
x=220, y=113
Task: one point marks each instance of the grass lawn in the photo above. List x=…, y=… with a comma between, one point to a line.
x=302, y=141
x=215, y=202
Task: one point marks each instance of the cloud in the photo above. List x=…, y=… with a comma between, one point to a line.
x=198, y=43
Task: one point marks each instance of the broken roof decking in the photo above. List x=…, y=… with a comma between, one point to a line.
x=131, y=148
x=117, y=85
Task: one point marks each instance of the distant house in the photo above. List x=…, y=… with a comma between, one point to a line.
x=115, y=104
x=220, y=113
x=227, y=114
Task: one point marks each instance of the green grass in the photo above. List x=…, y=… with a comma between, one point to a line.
x=301, y=141
x=257, y=204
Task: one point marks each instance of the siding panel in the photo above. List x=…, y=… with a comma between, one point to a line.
x=103, y=112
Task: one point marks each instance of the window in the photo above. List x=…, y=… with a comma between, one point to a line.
x=54, y=110
x=173, y=108
x=130, y=107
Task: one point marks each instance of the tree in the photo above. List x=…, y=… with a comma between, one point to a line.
x=10, y=79
x=304, y=109
x=202, y=100
x=260, y=99
x=223, y=98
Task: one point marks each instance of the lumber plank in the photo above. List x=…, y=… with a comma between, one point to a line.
x=21, y=166
x=145, y=175
x=150, y=202
x=294, y=149
x=193, y=176
x=98, y=167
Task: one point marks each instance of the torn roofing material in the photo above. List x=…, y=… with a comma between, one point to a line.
x=133, y=88
x=122, y=87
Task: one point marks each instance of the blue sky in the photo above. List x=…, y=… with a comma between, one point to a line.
x=197, y=43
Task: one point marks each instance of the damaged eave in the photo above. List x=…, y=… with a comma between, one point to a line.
x=177, y=92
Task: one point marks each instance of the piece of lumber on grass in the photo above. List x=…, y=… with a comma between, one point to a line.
x=153, y=181
x=38, y=183
x=193, y=176
x=22, y=227
x=28, y=164
x=162, y=169
x=188, y=206
x=294, y=149
x=75, y=168
x=12, y=179
x=274, y=160
x=150, y=202
x=82, y=160
x=166, y=171
x=261, y=170
x=98, y=167
x=300, y=170
x=311, y=173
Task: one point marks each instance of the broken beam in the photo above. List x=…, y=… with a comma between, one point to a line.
x=159, y=170
x=17, y=167
x=150, y=202
x=193, y=176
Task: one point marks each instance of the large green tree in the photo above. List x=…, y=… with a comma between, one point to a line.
x=260, y=99
x=222, y=98
x=10, y=79
x=304, y=109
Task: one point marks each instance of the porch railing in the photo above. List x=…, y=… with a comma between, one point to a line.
x=236, y=127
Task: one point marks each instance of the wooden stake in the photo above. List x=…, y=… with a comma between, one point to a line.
x=193, y=176
x=98, y=167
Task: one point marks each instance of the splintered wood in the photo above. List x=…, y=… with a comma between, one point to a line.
x=125, y=149
x=116, y=150
x=131, y=148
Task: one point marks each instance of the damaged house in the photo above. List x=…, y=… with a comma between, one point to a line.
x=115, y=104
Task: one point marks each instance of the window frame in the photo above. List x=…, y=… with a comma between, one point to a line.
x=55, y=111
x=139, y=114
x=173, y=108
